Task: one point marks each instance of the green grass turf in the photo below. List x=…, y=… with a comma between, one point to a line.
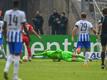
x=45, y=69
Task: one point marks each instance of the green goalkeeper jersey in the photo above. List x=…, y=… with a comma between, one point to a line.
x=62, y=55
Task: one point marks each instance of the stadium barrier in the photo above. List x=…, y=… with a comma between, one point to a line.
x=63, y=42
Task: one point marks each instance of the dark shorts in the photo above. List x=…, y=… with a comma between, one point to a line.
x=1, y=41
x=103, y=40
x=83, y=44
x=15, y=48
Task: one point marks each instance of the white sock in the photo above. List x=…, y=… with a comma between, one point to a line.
x=8, y=63
x=16, y=66
x=86, y=56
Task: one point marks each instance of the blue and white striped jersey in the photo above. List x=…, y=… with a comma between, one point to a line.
x=1, y=28
x=84, y=27
x=14, y=20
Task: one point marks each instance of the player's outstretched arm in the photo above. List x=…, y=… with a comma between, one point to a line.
x=94, y=30
x=34, y=32
x=98, y=27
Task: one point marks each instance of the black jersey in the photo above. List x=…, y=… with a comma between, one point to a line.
x=104, y=25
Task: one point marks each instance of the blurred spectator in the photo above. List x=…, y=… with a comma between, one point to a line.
x=38, y=22
x=0, y=14
x=54, y=22
x=63, y=24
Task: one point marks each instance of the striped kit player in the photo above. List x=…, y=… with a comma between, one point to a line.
x=14, y=20
x=83, y=26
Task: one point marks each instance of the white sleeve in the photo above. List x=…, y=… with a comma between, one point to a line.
x=91, y=26
x=23, y=17
x=76, y=24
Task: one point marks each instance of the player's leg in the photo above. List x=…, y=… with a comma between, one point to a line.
x=2, y=49
x=87, y=50
x=22, y=51
x=86, y=53
x=79, y=60
x=80, y=56
x=7, y=66
x=16, y=67
x=79, y=47
x=9, y=61
x=103, y=56
x=105, y=63
x=106, y=59
x=86, y=45
x=17, y=50
x=103, y=43
x=27, y=42
x=76, y=58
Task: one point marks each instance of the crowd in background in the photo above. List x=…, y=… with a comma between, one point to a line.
x=57, y=22
x=38, y=23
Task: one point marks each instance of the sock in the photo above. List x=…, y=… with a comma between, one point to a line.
x=29, y=53
x=16, y=66
x=86, y=56
x=102, y=58
x=8, y=63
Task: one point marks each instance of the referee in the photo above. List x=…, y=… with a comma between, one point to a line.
x=103, y=27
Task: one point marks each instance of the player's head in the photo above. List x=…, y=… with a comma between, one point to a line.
x=104, y=11
x=83, y=15
x=15, y=3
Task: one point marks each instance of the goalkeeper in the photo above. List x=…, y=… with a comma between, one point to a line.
x=62, y=55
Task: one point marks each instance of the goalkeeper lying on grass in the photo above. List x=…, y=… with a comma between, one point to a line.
x=62, y=55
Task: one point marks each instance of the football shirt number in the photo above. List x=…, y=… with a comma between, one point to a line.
x=13, y=19
x=84, y=26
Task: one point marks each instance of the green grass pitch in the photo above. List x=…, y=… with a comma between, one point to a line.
x=45, y=69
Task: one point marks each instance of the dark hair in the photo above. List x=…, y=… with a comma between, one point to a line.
x=83, y=15
x=15, y=3
x=104, y=11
